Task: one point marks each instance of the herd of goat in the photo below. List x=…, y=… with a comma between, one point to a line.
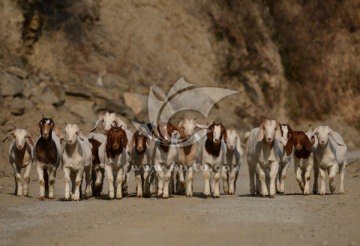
x=164, y=158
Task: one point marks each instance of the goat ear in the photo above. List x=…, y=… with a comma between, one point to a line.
x=201, y=126
x=121, y=122
x=238, y=145
x=178, y=129
x=81, y=135
x=29, y=137
x=261, y=133
x=7, y=136
x=124, y=141
x=96, y=124
x=224, y=133
x=132, y=142
x=315, y=131
x=58, y=132
x=289, y=146
x=308, y=143
x=289, y=129
x=181, y=123
x=337, y=138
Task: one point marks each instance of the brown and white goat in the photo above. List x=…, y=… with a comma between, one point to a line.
x=20, y=157
x=114, y=157
x=303, y=158
x=47, y=155
x=284, y=159
x=165, y=155
x=213, y=149
x=140, y=159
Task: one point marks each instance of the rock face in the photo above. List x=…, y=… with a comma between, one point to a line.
x=10, y=85
x=296, y=61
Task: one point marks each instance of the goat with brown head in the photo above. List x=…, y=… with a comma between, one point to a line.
x=302, y=144
x=215, y=133
x=116, y=141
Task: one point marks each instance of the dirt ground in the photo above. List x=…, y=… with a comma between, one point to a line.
x=290, y=219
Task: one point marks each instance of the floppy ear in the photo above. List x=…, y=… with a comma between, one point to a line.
x=289, y=129
x=308, y=143
x=201, y=126
x=289, y=146
x=178, y=129
x=238, y=145
x=96, y=124
x=261, y=133
x=124, y=141
x=337, y=138
x=81, y=135
x=315, y=131
x=181, y=123
x=224, y=133
x=132, y=142
x=209, y=133
x=8, y=135
x=120, y=122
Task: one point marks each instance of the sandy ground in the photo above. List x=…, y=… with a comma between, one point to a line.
x=230, y=220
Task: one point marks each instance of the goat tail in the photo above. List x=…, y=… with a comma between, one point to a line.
x=46, y=179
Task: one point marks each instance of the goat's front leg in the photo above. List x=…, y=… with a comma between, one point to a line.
x=252, y=179
x=189, y=186
x=88, y=181
x=110, y=178
x=67, y=183
x=232, y=180
x=342, y=174
x=332, y=173
x=261, y=172
x=224, y=177
x=316, y=177
x=181, y=184
x=52, y=176
x=274, y=169
x=299, y=179
x=217, y=174
x=27, y=179
x=322, y=181
x=147, y=180
x=167, y=180
x=207, y=179
x=307, y=179
x=137, y=171
x=40, y=172
x=78, y=177
x=17, y=176
x=160, y=178
x=119, y=182
x=100, y=173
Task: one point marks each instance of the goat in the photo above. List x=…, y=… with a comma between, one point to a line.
x=188, y=154
x=284, y=159
x=263, y=156
x=97, y=171
x=303, y=158
x=108, y=120
x=212, y=151
x=232, y=163
x=20, y=157
x=47, y=155
x=139, y=150
x=330, y=155
x=113, y=155
x=164, y=155
x=76, y=160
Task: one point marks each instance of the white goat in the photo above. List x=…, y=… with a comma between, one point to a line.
x=188, y=154
x=232, y=163
x=212, y=152
x=164, y=155
x=108, y=120
x=20, y=156
x=330, y=155
x=284, y=159
x=77, y=160
x=263, y=156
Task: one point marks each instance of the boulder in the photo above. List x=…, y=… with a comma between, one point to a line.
x=10, y=85
x=54, y=94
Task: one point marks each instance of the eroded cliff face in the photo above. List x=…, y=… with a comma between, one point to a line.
x=292, y=60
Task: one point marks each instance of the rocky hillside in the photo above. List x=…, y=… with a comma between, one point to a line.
x=296, y=61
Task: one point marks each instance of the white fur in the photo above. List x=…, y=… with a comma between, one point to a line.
x=330, y=155
x=108, y=120
x=284, y=161
x=232, y=163
x=20, y=157
x=263, y=157
x=77, y=160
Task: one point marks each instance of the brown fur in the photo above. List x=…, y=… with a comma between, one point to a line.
x=299, y=138
x=211, y=147
x=94, y=150
x=116, y=141
x=45, y=149
x=170, y=129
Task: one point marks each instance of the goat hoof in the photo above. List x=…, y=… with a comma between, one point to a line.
x=42, y=198
x=271, y=196
x=262, y=196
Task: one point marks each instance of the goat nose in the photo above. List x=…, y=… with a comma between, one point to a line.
x=115, y=146
x=217, y=140
x=140, y=148
x=269, y=139
x=231, y=146
x=322, y=142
